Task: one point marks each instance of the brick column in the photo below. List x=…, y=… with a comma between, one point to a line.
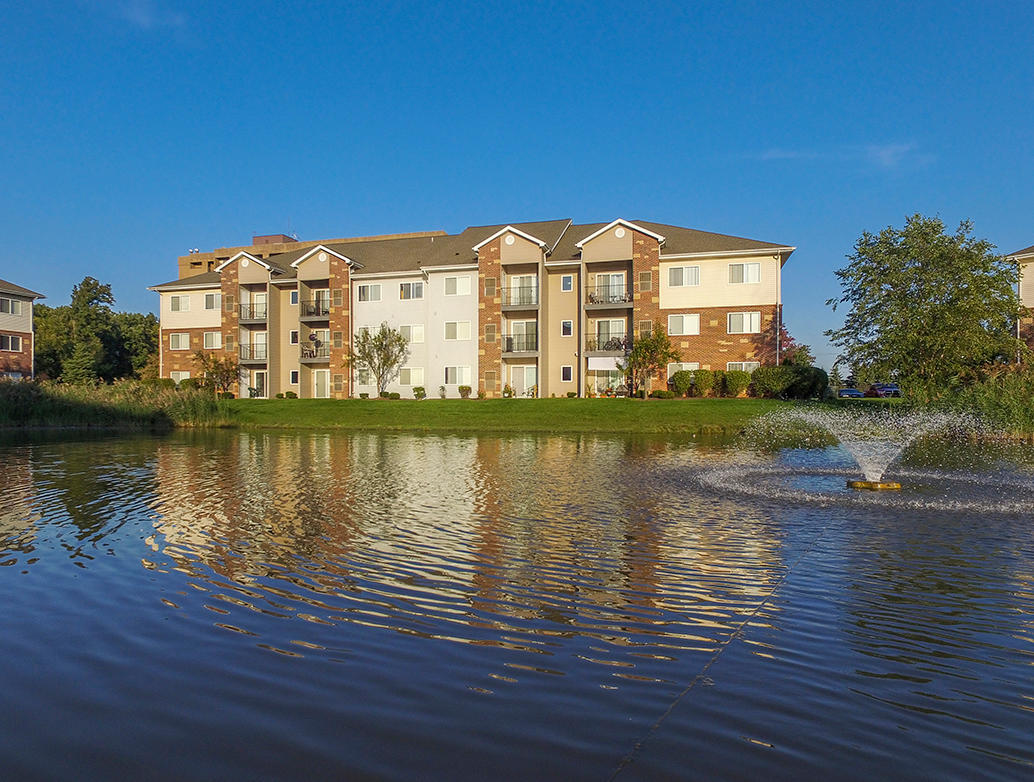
x=490, y=313
x=230, y=288
x=646, y=259
x=340, y=327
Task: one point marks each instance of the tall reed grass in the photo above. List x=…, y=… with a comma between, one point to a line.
x=1003, y=396
x=124, y=404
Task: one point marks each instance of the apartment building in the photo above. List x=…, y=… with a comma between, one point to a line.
x=1025, y=259
x=539, y=308
x=17, y=348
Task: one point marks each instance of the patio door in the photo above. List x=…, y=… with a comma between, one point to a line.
x=259, y=344
x=258, y=305
x=525, y=335
x=322, y=384
x=522, y=289
x=258, y=382
x=610, y=287
x=523, y=377
x=607, y=330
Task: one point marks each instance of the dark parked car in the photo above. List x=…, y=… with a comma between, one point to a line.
x=883, y=390
x=850, y=393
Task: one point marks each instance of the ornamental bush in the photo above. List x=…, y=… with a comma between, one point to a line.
x=464, y=392
x=736, y=382
x=662, y=394
x=703, y=382
x=682, y=382
x=772, y=382
x=419, y=392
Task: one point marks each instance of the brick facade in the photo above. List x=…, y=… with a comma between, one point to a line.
x=714, y=347
x=490, y=313
x=646, y=261
x=19, y=361
x=230, y=289
x=340, y=327
x=182, y=360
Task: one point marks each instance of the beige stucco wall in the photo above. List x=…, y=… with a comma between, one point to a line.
x=196, y=318
x=556, y=350
x=252, y=273
x=715, y=290
x=312, y=268
x=609, y=246
x=521, y=251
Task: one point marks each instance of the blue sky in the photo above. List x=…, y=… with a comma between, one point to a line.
x=133, y=130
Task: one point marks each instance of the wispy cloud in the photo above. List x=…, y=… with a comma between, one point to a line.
x=885, y=157
x=146, y=14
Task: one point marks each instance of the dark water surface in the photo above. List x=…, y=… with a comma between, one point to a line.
x=313, y=606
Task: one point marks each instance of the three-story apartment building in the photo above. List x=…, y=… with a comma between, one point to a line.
x=17, y=348
x=541, y=308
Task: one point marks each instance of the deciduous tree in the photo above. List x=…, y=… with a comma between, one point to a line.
x=925, y=305
x=649, y=355
x=382, y=352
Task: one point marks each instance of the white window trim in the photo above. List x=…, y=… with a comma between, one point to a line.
x=685, y=270
x=369, y=287
x=457, y=338
x=562, y=323
x=412, y=287
x=462, y=371
x=745, y=281
x=217, y=301
x=14, y=306
x=679, y=366
x=294, y=377
x=294, y=297
x=177, y=302
x=182, y=375
x=292, y=336
x=463, y=277
x=10, y=343
x=411, y=382
x=182, y=334
x=569, y=369
x=566, y=278
x=218, y=340
x=684, y=332
x=742, y=365
x=747, y=317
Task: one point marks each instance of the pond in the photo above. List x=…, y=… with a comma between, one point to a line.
x=242, y=605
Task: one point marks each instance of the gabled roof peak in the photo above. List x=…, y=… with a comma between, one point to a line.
x=622, y=222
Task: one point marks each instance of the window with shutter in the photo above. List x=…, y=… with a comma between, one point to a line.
x=337, y=297
x=337, y=340
x=490, y=332
x=490, y=286
x=645, y=281
x=491, y=384
x=339, y=383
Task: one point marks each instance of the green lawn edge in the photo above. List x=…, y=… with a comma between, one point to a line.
x=652, y=416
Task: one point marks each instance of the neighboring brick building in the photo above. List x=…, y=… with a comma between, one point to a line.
x=16, y=336
x=542, y=308
x=1025, y=259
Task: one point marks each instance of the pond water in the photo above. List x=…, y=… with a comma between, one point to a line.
x=328, y=606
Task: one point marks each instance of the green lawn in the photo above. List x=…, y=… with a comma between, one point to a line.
x=504, y=415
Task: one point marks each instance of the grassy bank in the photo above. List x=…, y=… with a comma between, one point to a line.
x=122, y=405
x=505, y=415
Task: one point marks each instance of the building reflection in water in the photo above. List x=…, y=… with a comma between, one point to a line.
x=485, y=540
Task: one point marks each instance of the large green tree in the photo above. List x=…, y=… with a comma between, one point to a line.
x=649, y=355
x=925, y=305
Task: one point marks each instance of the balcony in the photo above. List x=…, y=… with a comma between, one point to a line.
x=604, y=296
x=524, y=297
x=314, y=310
x=521, y=343
x=254, y=312
x=253, y=353
x=614, y=344
x=317, y=353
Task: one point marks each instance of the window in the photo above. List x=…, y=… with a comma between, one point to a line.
x=178, y=376
x=364, y=377
x=744, y=323
x=566, y=374
x=294, y=297
x=294, y=377
x=646, y=281
x=743, y=366
x=744, y=272
x=10, y=306
x=213, y=301
x=490, y=332
x=680, y=276
x=411, y=376
x=414, y=334
x=179, y=303
x=490, y=286
x=457, y=376
x=457, y=329
x=411, y=290
x=566, y=328
x=294, y=337
x=370, y=292
x=567, y=283
x=645, y=328
x=681, y=325
x=213, y=340
x=11, y=342
x=457, y=286
x=179, y=341
x=673, y=368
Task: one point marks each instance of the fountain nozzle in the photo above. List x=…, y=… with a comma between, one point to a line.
x=873, y=485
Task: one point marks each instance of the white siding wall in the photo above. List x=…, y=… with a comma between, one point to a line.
x=23, y=322
x=440, y=353
x=1027, y=284
x=715, y=290
x=197, y=317
x=395, y=313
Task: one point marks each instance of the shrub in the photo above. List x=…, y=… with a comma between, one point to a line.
x=507, y=391
x=191, y=383
x=481, y=393
x=226, y=394
x=703, y=382
x=364, y=395
x=290, y=395
x=394, y=395
x=772, y=382
x=682, y=382
x=160, y=382
x=441, y=391
x=572, y=394
x=662, y=394
x=419, y=392
x=718, y=382
x=383, y=395
x=464, y=392
x=280, y=395
x=808, y=383
x=736, y=382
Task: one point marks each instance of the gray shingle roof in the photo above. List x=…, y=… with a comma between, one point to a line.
x=1026, y=251
x=208, y=278
x=18, y=290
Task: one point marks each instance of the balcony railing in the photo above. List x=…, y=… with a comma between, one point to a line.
x=313, y=352
x=253, y=311
x=610, y=342
x=253, y=352
x=524, y=296
x=315, y=309
x=521, y=343
x=610, y=294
